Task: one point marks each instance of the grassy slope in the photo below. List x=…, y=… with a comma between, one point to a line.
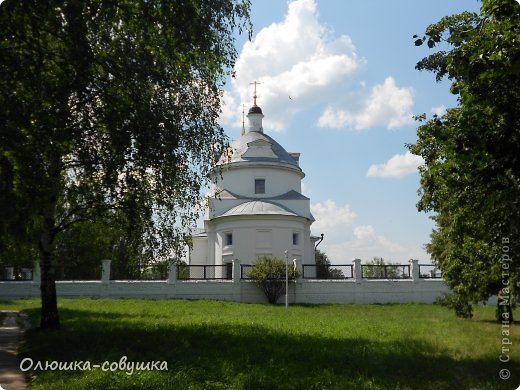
x=231, y=345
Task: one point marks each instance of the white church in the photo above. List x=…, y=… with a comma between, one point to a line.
x=256, y=205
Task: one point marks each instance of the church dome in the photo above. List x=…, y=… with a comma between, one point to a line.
x=257, y=147
x=255, y=110
x=259, y=207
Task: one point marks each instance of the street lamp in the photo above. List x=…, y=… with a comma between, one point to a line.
x=286, y=279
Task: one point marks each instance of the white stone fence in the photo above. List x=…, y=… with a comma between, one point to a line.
x=408, y=286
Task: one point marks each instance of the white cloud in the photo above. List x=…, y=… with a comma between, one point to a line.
x=386, y=104
x=228, y=112
x=300, y=63
x=363, y=231
x=330, y=217
x=365, y=244
x=441, y=110
x=394, y=247
x=344, y=242
x=398, y=166
x=297, y=63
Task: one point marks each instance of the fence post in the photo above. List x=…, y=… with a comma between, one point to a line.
x=172, y=272
x=37, y=277
x=105, y=271
x=236, y=271
x=414, y=270
x=358, y=273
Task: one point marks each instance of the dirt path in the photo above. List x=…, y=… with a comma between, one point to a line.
x=11, y=378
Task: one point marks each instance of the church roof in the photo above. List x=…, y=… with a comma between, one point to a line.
x=259, y=207
x=258, y=147
x=290, y=195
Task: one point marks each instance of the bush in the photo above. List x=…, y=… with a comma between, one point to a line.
x=269, y=274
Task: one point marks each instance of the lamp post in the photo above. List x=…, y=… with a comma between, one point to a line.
x=286, y=279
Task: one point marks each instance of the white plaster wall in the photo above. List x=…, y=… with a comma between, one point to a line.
x=306, y=291
x=247, y=230
x=241, y=180
x=199, y=252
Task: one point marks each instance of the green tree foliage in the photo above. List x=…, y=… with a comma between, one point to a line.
x=378, y=268
x=183, y=270
x=78, y=251
x=470, y=179
x=324, y=269
x=269, y=274
x=109, y=105
x=17, y=252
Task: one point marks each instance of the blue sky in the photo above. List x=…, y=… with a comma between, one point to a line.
x=338, y=85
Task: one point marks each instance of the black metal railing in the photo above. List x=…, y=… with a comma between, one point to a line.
x=388, y=271
x=205, y=272
x=16, y=274
x=428, y=271
x=62, y=273
x=157, y=271
x=328, y=272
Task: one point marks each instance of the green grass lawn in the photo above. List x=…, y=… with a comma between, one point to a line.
x=221, y=345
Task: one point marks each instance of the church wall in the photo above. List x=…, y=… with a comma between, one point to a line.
x=309, y=246
x=278, y=181
x=199, y=252
x=257, y=236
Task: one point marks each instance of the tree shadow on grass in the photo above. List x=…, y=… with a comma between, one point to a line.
x=252, y=357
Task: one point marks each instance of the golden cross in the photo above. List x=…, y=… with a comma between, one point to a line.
x=254, y=95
